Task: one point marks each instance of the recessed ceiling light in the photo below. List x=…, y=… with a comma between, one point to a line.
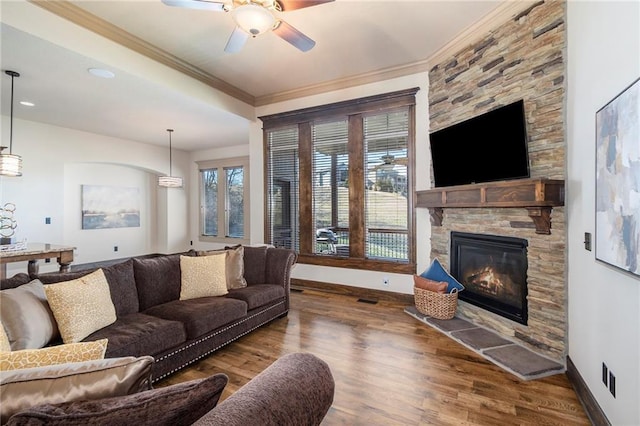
x=100, y=72
x=25, y=103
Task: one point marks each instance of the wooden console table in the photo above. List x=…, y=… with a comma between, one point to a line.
x=538, y=196
x=33, y=253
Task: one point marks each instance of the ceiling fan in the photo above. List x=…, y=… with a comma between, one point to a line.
x=389, y=161
x=255, y=17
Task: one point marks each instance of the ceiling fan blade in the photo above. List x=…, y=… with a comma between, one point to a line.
x=196, y=4
x=293, y=36
x=287, y=5
x=237, y=39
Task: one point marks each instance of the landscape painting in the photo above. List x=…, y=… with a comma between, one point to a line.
x=618, y=181
x=110, y=207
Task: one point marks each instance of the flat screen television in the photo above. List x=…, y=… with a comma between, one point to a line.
x=487, y=148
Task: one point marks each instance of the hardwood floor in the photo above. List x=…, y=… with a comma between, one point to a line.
x=390, y=369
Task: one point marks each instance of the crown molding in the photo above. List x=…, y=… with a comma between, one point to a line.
x=344, y=83
x=79, y=16
x=505, y=11
x=474, y=33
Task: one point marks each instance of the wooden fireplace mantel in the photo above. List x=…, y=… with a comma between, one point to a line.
x=538, y=196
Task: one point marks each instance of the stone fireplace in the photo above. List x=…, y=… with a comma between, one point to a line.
x=493, y=270
x=520, y=58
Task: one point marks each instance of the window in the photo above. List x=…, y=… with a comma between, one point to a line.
x=283, y=188
x=386, y=139
x=339, y=182
x=330, y=187
x=224, y=199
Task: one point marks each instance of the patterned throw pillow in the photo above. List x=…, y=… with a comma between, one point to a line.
x=81, y=306
x=4, y=340
x=52, y=355
x=234, y=264
x=27, y=318
x=203, y=276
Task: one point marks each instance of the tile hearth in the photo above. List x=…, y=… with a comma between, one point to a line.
x=512, y=357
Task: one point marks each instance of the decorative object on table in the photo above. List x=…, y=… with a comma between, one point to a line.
x=8, y=223
x=170, y=181
x=110, y=207
x=617, y=177
x=10, y=164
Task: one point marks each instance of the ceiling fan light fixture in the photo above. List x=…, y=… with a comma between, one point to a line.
x=253, y=19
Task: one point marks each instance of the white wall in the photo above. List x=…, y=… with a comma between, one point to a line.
x=399, y=283
x=56, y=161
x=604, y=303
x=99, y=243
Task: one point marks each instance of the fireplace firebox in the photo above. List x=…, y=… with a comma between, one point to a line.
x=493, y=270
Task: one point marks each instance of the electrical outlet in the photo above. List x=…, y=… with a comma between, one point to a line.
x=612, y=384
x=47, y=221
x=115, y=248
x=605, y=374
x=385, y=281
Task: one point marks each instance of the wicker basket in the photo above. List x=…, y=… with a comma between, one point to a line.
x=436, y=305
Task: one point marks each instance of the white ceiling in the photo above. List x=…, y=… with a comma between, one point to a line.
x=354, y=39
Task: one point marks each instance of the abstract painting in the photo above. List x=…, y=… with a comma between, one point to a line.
x=110, y=207
x=618, y=181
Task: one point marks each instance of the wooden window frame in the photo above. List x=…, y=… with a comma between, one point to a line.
x=221, y=164
x=354, y=110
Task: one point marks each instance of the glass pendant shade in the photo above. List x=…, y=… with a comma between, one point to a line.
x=253, y=19
x=10, y=164
x=170, y=181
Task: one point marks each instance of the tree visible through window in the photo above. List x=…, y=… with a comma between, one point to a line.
x=234, y=219
x=224, y=200
x=339, y=182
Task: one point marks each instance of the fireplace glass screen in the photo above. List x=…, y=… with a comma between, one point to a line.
x=493, y=270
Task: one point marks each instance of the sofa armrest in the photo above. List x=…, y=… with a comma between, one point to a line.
x=297, y=389
x=278, y=266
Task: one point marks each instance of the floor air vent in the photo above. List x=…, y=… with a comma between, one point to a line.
x=370, y=301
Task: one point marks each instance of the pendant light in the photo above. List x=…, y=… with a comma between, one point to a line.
x=10, y=164
x=170, y=181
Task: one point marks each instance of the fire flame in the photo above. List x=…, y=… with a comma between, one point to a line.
x=487, y=281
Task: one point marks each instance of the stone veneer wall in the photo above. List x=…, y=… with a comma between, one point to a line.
x=520, y=59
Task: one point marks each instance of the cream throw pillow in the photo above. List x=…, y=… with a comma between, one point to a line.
x=5, y=346
x=81, y=306
x=235, y=265
x=52, y=355
x=203, y=276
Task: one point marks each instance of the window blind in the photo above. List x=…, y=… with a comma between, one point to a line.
x=283, y=187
